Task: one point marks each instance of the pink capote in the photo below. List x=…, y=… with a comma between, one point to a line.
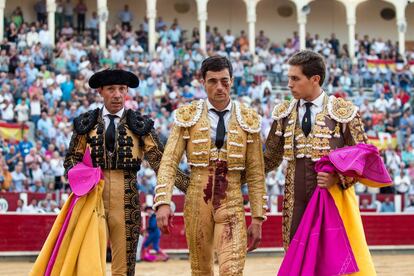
x=362, y=161
x=320, y=246
x=82, y=178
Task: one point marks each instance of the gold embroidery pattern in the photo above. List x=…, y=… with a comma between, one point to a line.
x=188, y=115
x=76, y=151
x=288, y=203
x=357, y=131
x=132, y=219
x=165, y=182
x=341, y=110
x=283, y=109
x=320, y=138
x=289, y=136
x=248, y=118
x=200, y=150
x=236, y=146
x=274, y=149
x=154, y=157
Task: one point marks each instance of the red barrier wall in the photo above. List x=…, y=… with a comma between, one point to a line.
x=27, y=233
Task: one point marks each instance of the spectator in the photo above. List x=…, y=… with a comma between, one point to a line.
x=387, y=206
x=410, y=204
x=68, y=13
x=19, y=179
x=24, y=146
x=126, y=18
x=40, y=9
x=81, y=10
x=5, y=178
x=37, y=187
x=93, y=25
x=22, y=111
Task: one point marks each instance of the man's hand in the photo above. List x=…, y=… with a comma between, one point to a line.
x=164, y=218
x=254, y=234
x=326, y=180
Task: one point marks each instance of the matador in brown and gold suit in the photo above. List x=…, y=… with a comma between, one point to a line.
x=336, y=126
x=133, y=139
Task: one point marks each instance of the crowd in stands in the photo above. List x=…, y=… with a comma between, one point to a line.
x=46, y=87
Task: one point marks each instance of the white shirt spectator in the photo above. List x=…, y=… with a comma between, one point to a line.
x=7, y=113
x=22, y=112
x=35, y=108
x=57, y=166
x=44, y=37
x=32, y=38
x=229, y=40
x=156, y=67
x=136, y=48
x=37, y=174
x=238, y=69
x=381, y=105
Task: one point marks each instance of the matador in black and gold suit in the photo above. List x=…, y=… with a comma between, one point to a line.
x=135, y=140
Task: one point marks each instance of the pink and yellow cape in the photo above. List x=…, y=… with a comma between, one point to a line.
x=76, y=245
x=330, y=239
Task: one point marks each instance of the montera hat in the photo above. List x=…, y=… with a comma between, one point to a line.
x=113, y=76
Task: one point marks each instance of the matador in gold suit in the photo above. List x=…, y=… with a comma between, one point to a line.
x=337, y=125
x=134, y=140
x=214, y=215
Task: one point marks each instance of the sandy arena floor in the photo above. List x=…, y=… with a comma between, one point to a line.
x=388, y=263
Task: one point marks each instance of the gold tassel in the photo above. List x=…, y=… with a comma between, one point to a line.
x=279, y=128
x=337, y=131
x=186, y=134
x=249, y=138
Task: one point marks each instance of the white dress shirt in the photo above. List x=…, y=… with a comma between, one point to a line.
x=106, y=119
x=214, y=118
x=316, y=108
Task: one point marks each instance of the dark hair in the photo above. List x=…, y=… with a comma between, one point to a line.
x=312, y=64
x=216, y=64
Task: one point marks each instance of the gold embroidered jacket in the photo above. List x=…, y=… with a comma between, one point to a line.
x=338, y=125
x=243, y=152
x=135, y=140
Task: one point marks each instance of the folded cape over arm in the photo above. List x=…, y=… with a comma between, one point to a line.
x=330, y=239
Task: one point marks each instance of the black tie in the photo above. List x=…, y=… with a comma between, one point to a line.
x=221, y=129
x=110, y=133
x=306, y=120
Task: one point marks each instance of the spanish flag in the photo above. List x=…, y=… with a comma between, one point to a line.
x=383, y=145
x=382, y=63
x=13, y=130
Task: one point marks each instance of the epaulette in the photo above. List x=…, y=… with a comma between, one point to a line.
x=249, y=120
x=283, y=109
x=86, y=121
x=341, y=110
x=188, y=115
x=139, y=124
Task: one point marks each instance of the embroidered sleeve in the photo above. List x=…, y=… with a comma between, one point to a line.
x=354, y=134
x=274, y=150
x=167, y=169
x=153, y=153
x=255, y=177
x=75, y=152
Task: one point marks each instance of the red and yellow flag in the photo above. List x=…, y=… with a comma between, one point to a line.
x=13, y=131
